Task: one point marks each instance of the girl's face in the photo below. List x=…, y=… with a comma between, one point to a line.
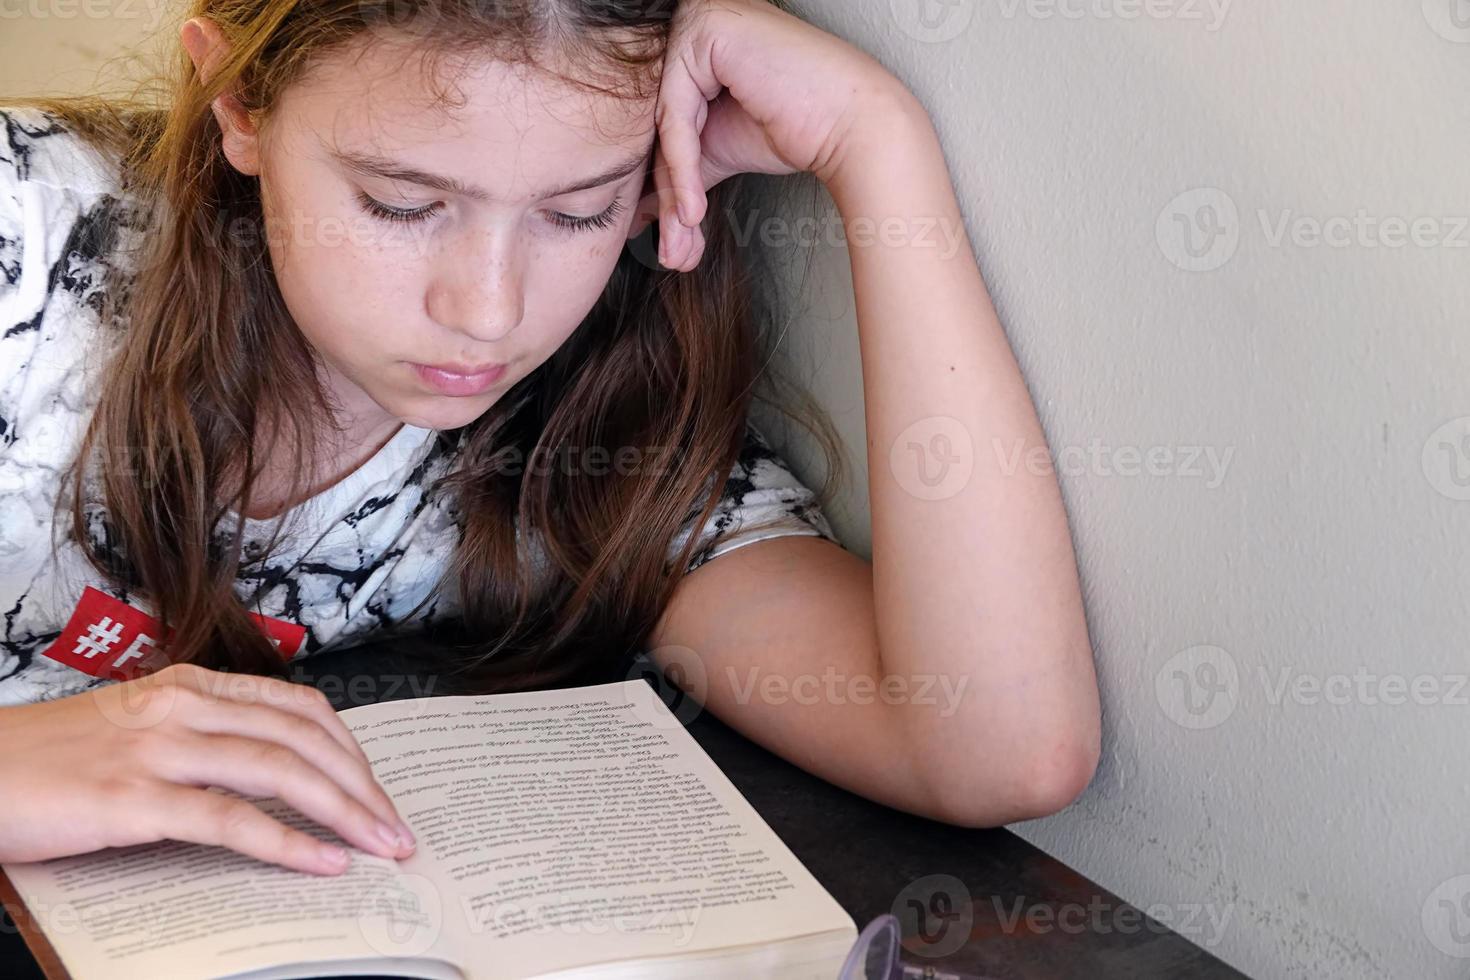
x=404, y=238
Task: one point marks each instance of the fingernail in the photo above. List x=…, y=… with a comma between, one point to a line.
x=407, y=835
x=334, y=855
x=389, y=835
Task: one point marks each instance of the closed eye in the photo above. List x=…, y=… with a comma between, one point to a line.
x=571, y=222
x=382, y=211
x=597, y=221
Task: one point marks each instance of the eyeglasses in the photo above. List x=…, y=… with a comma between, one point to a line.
x=875, y=957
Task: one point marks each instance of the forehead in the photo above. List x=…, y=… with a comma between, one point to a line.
x=509, y=125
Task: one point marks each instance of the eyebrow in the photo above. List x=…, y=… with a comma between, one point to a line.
x=377, y=166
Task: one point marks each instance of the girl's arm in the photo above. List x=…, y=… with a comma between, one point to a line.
x=953, y=675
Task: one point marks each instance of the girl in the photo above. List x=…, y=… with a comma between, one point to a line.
x=344, y=337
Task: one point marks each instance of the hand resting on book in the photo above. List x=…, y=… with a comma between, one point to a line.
x=133, y=762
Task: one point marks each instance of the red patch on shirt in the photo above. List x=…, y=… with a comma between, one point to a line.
x=108, y=638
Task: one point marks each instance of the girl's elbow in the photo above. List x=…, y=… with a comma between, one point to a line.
x=1058, y=779
x=1036, y=785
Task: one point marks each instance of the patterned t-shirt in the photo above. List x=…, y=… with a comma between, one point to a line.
x=364, y=553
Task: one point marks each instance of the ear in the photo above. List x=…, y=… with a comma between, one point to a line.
x=207, y=46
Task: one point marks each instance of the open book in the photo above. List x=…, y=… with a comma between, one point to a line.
x=575, y=833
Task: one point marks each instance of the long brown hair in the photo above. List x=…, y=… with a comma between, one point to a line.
x=664, y=360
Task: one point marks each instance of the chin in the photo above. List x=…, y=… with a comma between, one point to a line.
x=444, y=412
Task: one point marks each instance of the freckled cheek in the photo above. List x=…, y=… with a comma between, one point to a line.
x=346, y=298
x=571, y=283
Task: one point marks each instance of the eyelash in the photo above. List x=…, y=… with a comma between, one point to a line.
x=596, y=221
x=383, y=212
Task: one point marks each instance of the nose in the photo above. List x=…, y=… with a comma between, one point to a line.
x=479, y=287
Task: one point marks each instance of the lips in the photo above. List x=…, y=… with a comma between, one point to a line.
x=465, y=370
x=460, y=380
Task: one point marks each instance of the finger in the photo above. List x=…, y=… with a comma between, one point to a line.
x=258, y=768
x=669, y=228
x=227, y=821
x=650, y=198
x=298, y=699
x=684, y=95
x=695, y=249
x=309, y=740
x=649, y=206
x=671, y=231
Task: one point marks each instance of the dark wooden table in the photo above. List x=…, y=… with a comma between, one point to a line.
x=981, y=903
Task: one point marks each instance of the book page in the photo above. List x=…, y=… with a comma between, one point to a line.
x=179, y=909
x=581, y=826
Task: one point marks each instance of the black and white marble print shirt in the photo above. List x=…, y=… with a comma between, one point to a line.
x=366, y=551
